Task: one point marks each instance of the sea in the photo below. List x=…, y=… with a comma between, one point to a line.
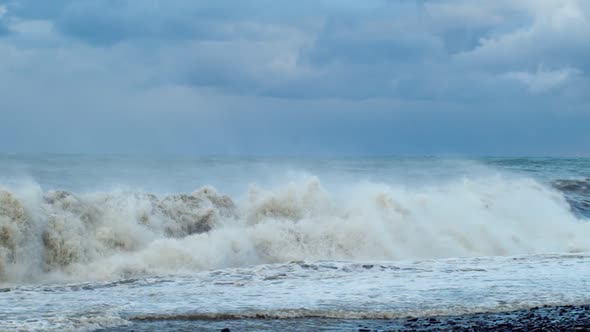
x=117, y=243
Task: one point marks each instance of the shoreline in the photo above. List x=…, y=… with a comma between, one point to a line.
x=546, y=318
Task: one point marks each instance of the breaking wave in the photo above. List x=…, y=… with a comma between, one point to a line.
x=577, y=193
x=59, y=235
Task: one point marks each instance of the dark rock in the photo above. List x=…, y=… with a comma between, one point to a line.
x=546, y=318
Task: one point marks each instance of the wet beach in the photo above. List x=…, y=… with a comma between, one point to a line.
x=547, y=318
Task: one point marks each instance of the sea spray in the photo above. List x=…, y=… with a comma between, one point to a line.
x=65, y=236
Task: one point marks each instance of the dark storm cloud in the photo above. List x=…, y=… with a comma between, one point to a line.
x=404, y=76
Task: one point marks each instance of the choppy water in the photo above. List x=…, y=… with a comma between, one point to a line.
x=91, y=243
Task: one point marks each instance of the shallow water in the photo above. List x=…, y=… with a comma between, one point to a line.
x=336, y=290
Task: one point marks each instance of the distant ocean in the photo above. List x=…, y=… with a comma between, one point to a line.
x=112, y=243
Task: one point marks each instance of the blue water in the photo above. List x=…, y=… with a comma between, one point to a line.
x=77, y=172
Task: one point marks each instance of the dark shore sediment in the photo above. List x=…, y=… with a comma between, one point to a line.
x=561, y=318
x=548, y=318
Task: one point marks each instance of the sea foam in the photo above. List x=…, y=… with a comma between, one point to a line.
x=64, y=236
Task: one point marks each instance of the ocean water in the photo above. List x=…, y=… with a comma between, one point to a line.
x=115, y=243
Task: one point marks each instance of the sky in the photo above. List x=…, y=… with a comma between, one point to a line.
x=309, y=77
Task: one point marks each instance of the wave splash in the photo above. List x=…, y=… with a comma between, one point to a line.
x=59, y=235
x=577, y=193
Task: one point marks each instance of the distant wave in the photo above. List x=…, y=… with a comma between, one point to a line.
x=59, y=235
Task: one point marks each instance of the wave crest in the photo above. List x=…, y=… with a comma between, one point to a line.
x=91, y=236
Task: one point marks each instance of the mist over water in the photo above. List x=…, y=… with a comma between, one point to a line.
x=68, y=219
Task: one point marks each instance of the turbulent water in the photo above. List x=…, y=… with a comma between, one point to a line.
x=90, y=243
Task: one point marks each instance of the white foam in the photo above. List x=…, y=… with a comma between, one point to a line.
x=61, y=236
x=324, y=289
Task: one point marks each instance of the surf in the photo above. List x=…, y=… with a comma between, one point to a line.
x=61, y=236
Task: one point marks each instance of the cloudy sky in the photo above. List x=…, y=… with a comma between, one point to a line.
x=397, y=77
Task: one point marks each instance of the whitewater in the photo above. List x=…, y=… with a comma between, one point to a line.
x=102, y=243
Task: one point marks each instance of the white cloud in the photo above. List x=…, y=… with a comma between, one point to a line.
x=543, y=80
x=558, y=27
x=2, y=11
